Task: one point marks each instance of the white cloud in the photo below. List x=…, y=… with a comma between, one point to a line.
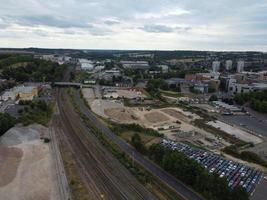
x=135, y=24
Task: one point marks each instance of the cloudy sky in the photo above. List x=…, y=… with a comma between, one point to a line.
x=135, y=24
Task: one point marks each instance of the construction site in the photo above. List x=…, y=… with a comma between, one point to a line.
x=174, y=122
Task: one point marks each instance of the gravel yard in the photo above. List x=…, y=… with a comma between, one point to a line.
x=26, y=168
x=232, y=130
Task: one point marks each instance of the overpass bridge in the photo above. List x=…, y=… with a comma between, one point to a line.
x=72, y=84
x=68, y=84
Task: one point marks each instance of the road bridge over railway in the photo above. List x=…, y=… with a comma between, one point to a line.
x=68, y=84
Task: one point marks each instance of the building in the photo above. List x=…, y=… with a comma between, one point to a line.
x=240, y=66
x=26, y=92
x=164, y=68
x=215, y=84
x=8, y=95
x=135, y=64
x=244, y=88
x=111, y=94
x=141, y=55
x=90, y=82
x=99, y=68
x=228, y=65
x=86, y=65
x=20, y=93
x=201, y=87
x=216, y=66
x=226, y=108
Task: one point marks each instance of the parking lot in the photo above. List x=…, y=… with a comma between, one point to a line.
x=257, y=125
x=235, y=173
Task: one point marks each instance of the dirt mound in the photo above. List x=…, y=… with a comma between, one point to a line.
x=10, y=158
x=121, y=115
x=155, y=117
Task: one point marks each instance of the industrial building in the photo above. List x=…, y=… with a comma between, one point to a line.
x=20, y=93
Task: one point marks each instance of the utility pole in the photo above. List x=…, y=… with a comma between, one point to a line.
x=133, y=158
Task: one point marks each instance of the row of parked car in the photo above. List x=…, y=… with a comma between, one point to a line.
x=235, y=173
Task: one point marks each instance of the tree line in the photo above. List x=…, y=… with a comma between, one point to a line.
x=6, y=122
x=9, y=59
x=34, y=70
x=257, y=100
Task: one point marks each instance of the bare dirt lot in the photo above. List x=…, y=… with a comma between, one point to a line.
x=122, y=115
x=155, y=117
x=26, y=168
x=170, y=121
x=130, y=94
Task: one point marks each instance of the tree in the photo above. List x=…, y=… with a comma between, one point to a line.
x=213, y=98
x=6, y=122
x=138, y=144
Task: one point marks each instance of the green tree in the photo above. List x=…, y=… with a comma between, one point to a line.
x=6, y=122
x=138, y=144
x=213, y=98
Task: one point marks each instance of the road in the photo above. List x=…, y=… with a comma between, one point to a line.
x=184, y=191
x=104, y=176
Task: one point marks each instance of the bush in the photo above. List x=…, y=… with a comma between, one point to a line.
x=138, y=144
x=37, y=112
x=213, y=98
x=120, y=128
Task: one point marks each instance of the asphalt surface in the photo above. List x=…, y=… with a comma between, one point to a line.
x=252, y=123
x=173, y=183
x=260, y=192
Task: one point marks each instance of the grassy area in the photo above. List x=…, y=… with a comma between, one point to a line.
x=156, y=186
x=146, y=139
x=171, y=94
x=120, y=128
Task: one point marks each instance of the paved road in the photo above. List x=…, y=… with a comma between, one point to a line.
x=178, y=186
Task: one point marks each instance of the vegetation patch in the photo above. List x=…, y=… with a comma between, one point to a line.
x=257, y=100
x=120, y=128
x=6, y=122
x=172, y=94
x=33, y=70
x=245, y=155
x=36, y=112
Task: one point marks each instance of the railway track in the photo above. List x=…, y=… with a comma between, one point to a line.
x=184, y=191
x=104, y=175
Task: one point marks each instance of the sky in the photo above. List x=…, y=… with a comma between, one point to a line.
x=135, y=24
